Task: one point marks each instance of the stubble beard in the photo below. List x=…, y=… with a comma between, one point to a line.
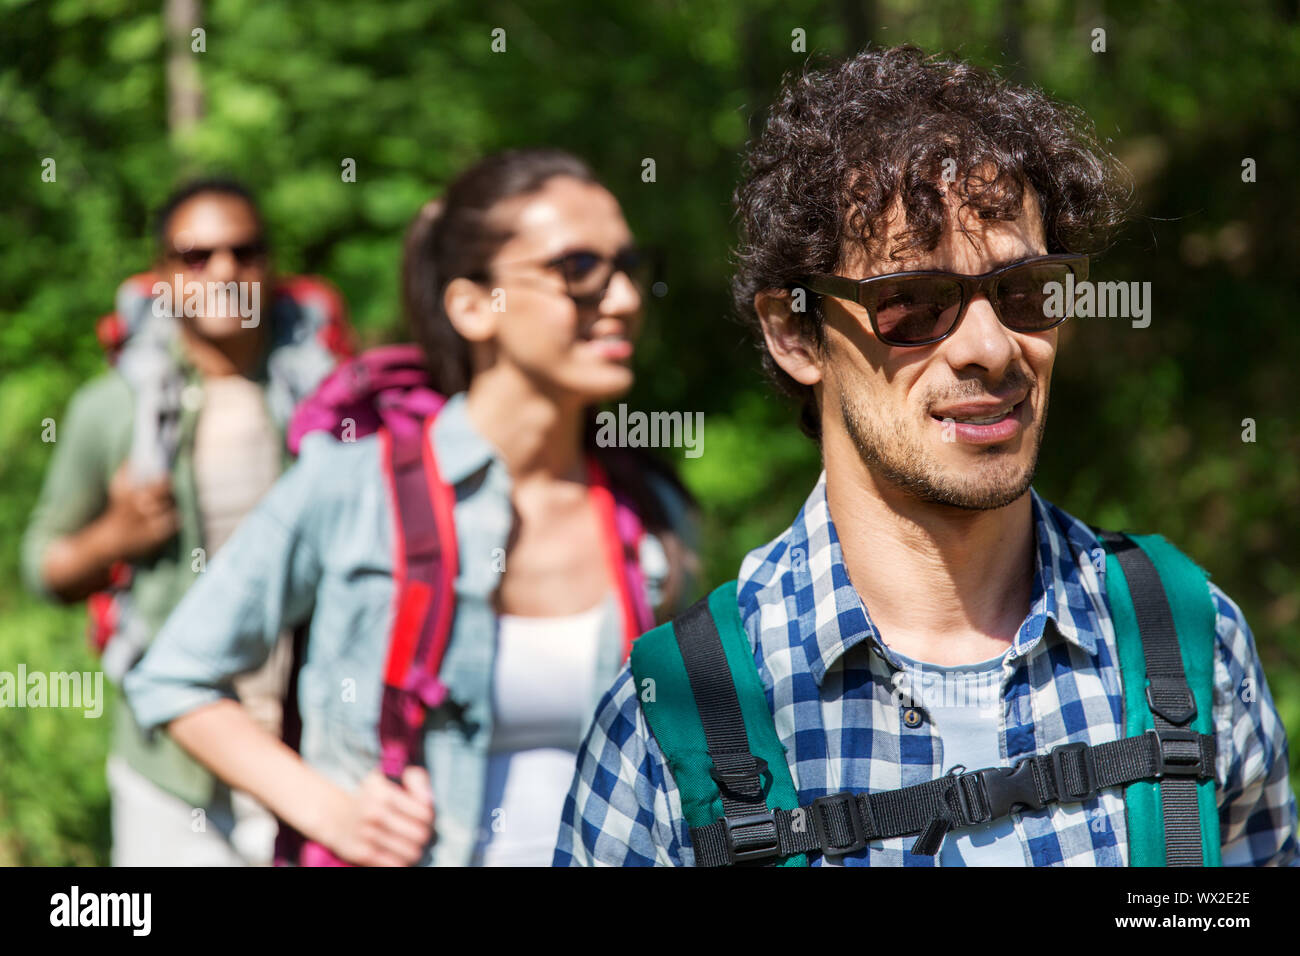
x=898, y=457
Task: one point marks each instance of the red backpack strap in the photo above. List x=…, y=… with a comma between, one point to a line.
x=425, y=572
x=111, y=332
x=622, y=531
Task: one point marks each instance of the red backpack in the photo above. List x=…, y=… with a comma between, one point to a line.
x=385, y=390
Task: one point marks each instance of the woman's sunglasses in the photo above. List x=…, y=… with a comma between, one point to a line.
x=587, y=274
x=921, y=308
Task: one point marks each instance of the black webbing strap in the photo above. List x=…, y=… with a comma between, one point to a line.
x=1071, y=773
x=1168, y=695
x=748, y=831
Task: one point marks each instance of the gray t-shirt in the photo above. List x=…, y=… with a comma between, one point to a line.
x=963, y=700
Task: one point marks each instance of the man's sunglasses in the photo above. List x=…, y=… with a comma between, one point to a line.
x=921, y=308
x=587, y=274
x=246, y=254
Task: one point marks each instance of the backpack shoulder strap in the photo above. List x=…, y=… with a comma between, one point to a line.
x=1164, y=626
x=425, y=571
x=622, y=531
x=706, y=707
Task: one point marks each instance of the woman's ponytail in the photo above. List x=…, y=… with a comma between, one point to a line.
x=446, y=353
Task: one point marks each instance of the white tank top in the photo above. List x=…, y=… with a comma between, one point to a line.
x=541, y=694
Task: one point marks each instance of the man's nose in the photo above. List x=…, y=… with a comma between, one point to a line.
x=222, y=266
x=980, y=339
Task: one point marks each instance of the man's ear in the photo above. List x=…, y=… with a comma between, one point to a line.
x=468, y=306
x=783, y=329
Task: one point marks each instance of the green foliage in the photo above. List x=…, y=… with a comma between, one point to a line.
x=53, y=798
x=1146, y=424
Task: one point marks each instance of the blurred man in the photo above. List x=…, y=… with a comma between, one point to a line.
x=933, y=665
x=156, y=462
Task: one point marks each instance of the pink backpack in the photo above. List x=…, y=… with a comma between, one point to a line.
x=386, y=390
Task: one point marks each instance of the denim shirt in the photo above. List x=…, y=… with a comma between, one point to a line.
x=320, y=545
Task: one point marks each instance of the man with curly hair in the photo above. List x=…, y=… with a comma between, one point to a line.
x=905, y=220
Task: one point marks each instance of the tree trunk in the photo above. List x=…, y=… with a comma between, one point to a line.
x=184, y=91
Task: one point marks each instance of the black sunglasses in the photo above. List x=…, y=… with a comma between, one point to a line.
x=922, y=308
x=246, y=254
x=587, y=274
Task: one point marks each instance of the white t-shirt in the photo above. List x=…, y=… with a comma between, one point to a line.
x=964, y=701
x=237, y=459
x=541, y=689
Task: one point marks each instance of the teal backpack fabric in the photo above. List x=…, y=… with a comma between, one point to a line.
x=1186, y=589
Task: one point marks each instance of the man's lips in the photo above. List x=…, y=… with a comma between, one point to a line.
x=986, y=408
x=983, y=423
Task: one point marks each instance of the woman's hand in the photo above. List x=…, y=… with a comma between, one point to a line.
x=384, y=824
x=380, y=824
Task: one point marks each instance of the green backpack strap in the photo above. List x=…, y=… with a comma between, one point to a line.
x=736, y=769
x=1154, y=588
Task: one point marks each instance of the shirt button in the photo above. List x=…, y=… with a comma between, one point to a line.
x=912, y=717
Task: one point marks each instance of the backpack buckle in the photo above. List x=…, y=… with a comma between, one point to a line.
x=759, y=845
x=1171, y=698
x=822, y=807
x=1009, y=787
x=744, y=778
x=1179, y=762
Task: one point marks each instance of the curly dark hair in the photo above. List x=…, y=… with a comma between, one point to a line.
x=844, y=141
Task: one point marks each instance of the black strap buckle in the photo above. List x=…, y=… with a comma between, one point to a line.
x=1086, y=765
x=1179, y=763
x=746, y=783
x=833, y=803
x=759, y=845
x=1171, y=698
x=1010, y=787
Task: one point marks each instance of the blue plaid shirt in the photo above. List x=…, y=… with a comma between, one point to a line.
x=829, y=682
